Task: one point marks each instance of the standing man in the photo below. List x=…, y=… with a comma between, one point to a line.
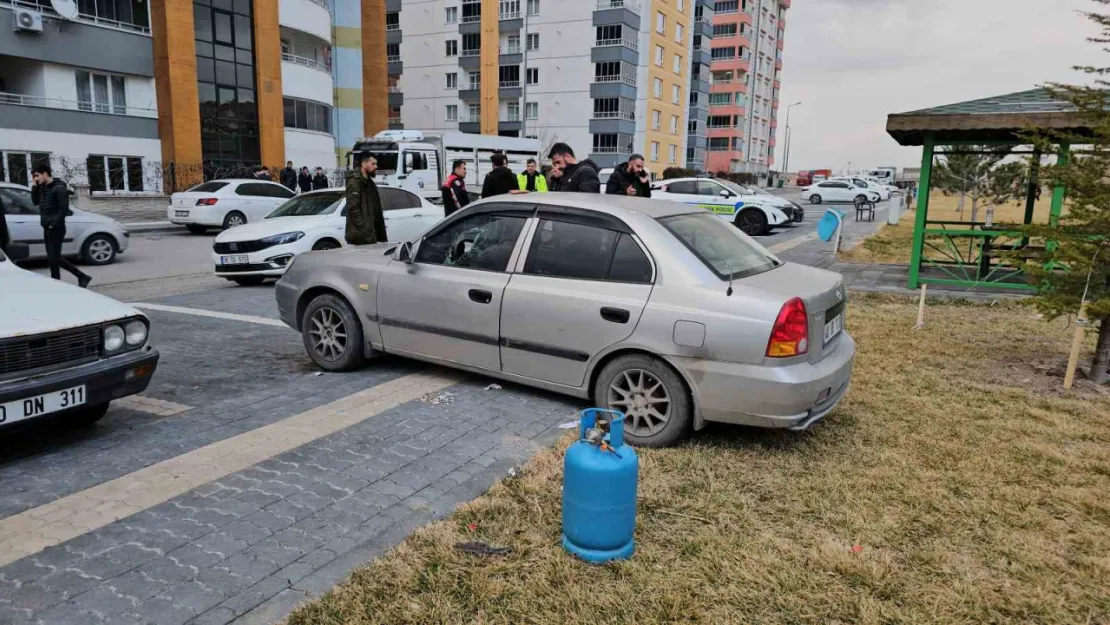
x=319, y=181
x=288, y=177
x=630, y=179
x=578, y=176
x=304, y=180
x=52, y=198
x=500, y=180
x=455, y=195
x=531, y=179
x=365, y=221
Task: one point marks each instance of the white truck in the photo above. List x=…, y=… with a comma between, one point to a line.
x=420, y=161
x=884, y=175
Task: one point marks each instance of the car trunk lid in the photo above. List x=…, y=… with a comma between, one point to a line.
x=824, y=297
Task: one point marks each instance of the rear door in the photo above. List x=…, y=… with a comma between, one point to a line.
x=581, y=288
x=712, y=200
x=23, y=220
x=400, y=209
x=685, y=191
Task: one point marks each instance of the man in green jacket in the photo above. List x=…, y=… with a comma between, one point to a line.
x=531, y=179
x=365, y=221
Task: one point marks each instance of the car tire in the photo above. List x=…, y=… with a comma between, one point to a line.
x=815, y=199
x=85, y=417
x=326, y=244
x=248, y=280
x=196, y=229
x=616, y=389
x=98, y=249
x=752, y=222
x=339, y=349
x=234, y=218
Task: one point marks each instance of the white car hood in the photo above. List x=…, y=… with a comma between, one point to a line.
x=269, y=227
x=34, y=304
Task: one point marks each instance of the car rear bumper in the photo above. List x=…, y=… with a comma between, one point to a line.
x=104, y=380
x=196, y=215
x=790, y=397
x=286, y=296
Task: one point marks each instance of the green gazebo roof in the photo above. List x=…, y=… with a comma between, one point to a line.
x=999, y=118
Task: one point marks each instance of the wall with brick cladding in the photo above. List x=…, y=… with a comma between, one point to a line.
x=139, y=208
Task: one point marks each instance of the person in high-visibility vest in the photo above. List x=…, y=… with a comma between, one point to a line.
x=531, y=179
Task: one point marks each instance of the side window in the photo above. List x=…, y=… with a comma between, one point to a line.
x=408, y=200
x=568, y=250
x=252, y=189
x=629, y=263
x=276, y=190
x=709, y=188
x=483, y=241
x=391, y=199
x=17, y=202
x=688, y=188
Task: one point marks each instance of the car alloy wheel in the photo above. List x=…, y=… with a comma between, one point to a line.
x=99, y=251
x=328, y=334
x=644, y=400
x=751, y=222
x=815, y=199
x=234, y=219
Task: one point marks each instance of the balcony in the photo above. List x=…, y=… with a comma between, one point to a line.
x=606, y=5
x=511, y=49
x=510, y=15
x=311, y=63
x=628, y=43
x=473, y=52
x=392, y=27
x=617, y=86
x=628, y=80
x=509, y=84
x=307, y=79
x=613, y=122
x=29, y=112
x=82, y=16
x=309, y=16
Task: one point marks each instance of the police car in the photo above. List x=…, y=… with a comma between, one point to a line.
x=754, y=213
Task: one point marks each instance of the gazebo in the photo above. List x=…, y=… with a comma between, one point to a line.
x=979, y=254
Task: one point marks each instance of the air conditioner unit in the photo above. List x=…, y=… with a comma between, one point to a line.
x=27, y=20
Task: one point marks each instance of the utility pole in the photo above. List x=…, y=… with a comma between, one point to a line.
x=524, y=85
x=786, y=157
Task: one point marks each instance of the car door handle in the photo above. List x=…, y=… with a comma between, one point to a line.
x=480, y=296
x=616, y=315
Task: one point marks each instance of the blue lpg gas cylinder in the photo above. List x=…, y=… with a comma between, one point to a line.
x=600, y=474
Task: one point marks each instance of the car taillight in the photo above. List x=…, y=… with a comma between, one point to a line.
x=790, y=336
x=207, y=201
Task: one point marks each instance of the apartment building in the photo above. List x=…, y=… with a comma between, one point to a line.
x=745, y=66
x=609, y=77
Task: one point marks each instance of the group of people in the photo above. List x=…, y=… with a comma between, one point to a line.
x=305, y=180
x=567, y=175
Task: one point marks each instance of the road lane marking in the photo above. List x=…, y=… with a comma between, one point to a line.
x=154, y=406
x=63, y=519
x=200, y=312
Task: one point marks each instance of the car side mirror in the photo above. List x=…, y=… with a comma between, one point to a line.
x=403, y=253
x=726, y=194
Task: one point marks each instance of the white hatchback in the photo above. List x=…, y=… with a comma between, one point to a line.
x=94, y=239
x=225, y=203
x=263, y=249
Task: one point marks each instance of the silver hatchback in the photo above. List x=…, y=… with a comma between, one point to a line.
x=653, y=308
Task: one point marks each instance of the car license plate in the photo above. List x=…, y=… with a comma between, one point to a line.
x=238, y=259
x=31, y=407
x=181, y=213
x=834, y=327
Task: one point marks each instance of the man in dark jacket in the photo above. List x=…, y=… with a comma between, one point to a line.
x=320, y=180
x=500, y=180
x=52, y=198
x=578, y=176
x=365, y=220
x=304, y=180
x=288, y=177
x=455, y=195
x=630, y=179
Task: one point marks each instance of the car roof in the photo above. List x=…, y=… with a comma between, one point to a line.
x=12, y=185
x=608, y=204
x=694, y=179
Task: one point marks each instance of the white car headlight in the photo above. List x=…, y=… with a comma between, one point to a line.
x=136, y=332
x=283, y=238
x=114, y=338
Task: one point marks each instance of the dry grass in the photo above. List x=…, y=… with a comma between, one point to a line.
x=939, y=491
x=893, y=244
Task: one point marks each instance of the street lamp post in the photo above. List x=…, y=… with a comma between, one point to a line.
x=786, y=157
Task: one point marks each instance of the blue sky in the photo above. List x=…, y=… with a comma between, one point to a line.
x=853, y=62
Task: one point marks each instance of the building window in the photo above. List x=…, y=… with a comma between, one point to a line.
x=676, y=94
x=532, y=110
x=452, y=47
x=723, y=53
x=718, y=144
x=533, y=41
x=719, y=121
x=720, y=99
x=226, y=87
x=656, y=116
x=513, y=111
x=512, y=44
x=672, y=157
x=452, y=113
x=681, y=6
x=306, y=115
x=533, y=76
x=114, y=173
x=475, y=79
x=15, y=167
x=453, y=80
x=474, y=111
x=659, y=56
x=724, y=30
x=533, y=7
x=392, y=52
x=678, y=33
x=471, y=12
x=674, y=124
x=102, y=93
x=508, y=76
x=471, y=44
x=655, y=150
x=451, y=15
x=677, y=64
x=657, y=88
x=125, y=12
x=660, y=23
x=726, y=6
x=393, y=21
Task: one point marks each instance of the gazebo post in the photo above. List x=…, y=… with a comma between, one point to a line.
x=1058, y=192
x=1034, y=184
x=925, y=186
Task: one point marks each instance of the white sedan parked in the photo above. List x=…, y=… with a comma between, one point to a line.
x=94, y=239
x=753, y=213
x=249, y=254
x=226, y=203
x=837, y=191
x=865, y=183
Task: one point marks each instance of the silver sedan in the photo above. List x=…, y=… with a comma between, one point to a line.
x=653, y=308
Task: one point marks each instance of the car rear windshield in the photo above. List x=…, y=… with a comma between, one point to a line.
x=719, y=245
x=306, y=205
x=208, y=187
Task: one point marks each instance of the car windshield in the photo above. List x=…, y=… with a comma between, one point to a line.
x=720, y=245
x=387, y=161
x=737, y=189
x=208, y=187
x=308, y=205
